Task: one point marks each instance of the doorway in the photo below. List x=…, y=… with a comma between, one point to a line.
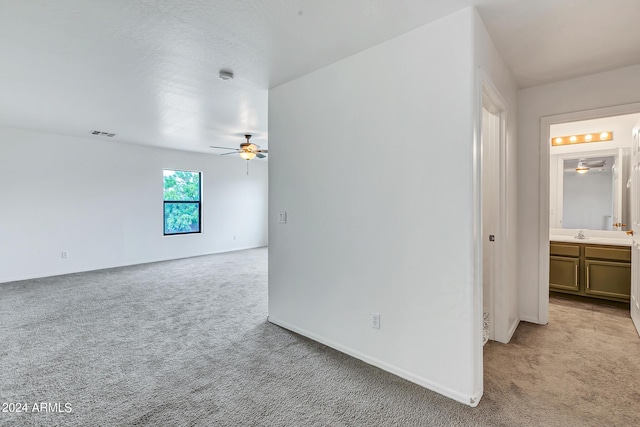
x=490, y=199
x=493, y=203
x=551, y=204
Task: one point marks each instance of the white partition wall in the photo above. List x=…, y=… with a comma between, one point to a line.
x=371, y=159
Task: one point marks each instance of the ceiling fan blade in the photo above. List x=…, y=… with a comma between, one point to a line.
x=262, y=151
x=223, y=148
x=595, y=164
x=233, y=152
x=260, y=156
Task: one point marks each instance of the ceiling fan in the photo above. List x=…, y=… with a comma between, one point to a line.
x=248, y=150
x=584, y=165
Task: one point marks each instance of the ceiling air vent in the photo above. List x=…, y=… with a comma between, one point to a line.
x=100, y=133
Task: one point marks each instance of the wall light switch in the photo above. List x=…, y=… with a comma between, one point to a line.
x=64, y=254
x=282, y=217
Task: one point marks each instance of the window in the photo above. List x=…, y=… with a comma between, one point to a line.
x=182, y=208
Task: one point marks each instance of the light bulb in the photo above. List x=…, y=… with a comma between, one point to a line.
x=588, y=137
x=582, y=169
x=573, y=139
x=604, y=135
x=558, y=140
x=247, y=155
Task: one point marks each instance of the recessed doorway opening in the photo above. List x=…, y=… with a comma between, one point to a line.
x=599, y=215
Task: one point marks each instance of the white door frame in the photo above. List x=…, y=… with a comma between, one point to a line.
x=543, y=238
x=634, y=300
x=485, y=86
x=499, y=318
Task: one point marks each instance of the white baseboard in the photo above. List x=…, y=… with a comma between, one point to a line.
x=513, y=327
x=118, y=265
x=438, y=388
x=530, y=320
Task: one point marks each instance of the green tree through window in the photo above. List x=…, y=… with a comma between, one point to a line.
x=182, y=208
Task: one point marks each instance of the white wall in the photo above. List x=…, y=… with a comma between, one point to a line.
x=101, y=201
x=377, y=222
x=606, y=89
x=493, y=68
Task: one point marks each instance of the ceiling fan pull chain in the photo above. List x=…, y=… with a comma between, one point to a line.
x=247, y=167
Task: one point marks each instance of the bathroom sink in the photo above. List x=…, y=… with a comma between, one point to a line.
x=593, y=240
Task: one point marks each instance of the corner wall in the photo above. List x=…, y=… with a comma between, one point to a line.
x=371, y=159
x=101, y=201
x=606, y=89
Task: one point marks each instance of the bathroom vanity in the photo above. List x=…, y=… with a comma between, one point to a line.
x=590, y=216
x=596, y=268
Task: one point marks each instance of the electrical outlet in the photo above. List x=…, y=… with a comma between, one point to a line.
x=375, y=321
x=64, y=254
x=282, y=217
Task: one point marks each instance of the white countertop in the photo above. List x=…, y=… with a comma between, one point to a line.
x=592, y=240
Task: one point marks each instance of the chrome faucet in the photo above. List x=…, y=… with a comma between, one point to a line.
x=581, y=235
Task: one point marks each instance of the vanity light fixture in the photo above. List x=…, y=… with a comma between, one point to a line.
x=582, y=138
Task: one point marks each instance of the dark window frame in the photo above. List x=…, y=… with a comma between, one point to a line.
x=176, y=202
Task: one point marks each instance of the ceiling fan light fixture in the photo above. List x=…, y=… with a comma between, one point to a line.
x=247, y=155
x=582, y=169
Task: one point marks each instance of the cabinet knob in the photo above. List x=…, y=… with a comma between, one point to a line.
x=630, y=233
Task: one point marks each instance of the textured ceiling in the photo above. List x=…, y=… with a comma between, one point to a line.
x=148, y=70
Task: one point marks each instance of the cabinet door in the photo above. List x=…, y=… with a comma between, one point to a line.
x=563, y=274
x=608, y=279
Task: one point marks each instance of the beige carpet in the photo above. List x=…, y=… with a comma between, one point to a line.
x=582, y=369
x=186, y=343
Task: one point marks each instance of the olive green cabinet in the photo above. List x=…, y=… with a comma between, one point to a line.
x=596, y=271
x=607, y=279
x=564, y=273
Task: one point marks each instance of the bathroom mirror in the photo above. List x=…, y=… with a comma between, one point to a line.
x=590, y=190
